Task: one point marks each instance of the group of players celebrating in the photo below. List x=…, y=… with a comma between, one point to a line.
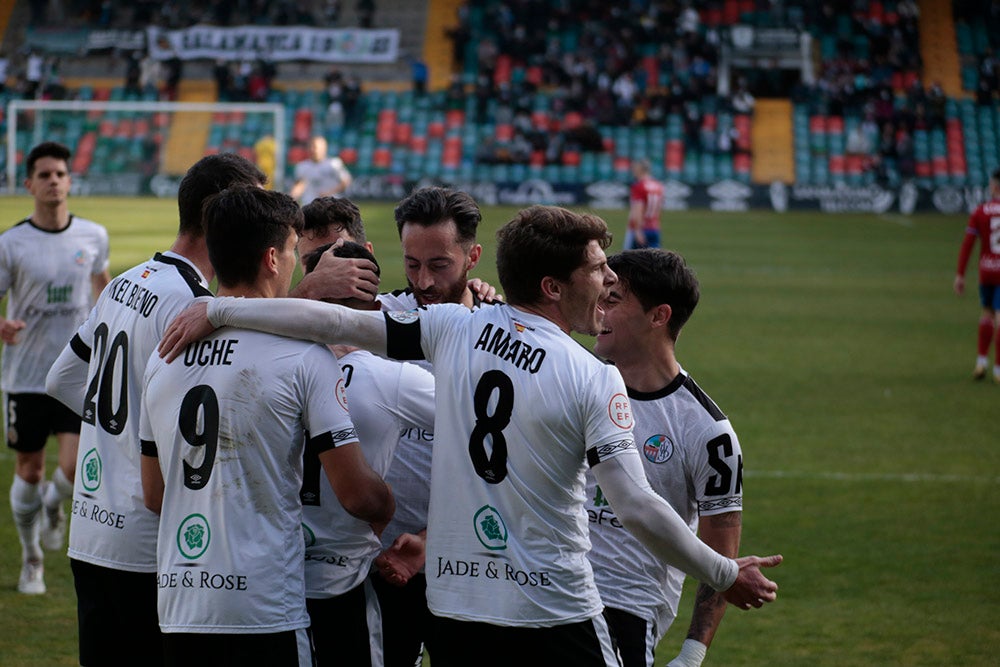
x=330, y=475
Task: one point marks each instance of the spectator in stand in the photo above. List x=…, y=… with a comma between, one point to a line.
x=366, y=13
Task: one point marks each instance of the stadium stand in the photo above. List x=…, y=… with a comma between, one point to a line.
x=572, y=92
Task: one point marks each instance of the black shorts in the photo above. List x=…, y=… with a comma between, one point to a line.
x=347, y=629
x=632, y=637
x=116, y=614
x=406, y=622
x=292, y=648
x=31, y=418
x=463, y=643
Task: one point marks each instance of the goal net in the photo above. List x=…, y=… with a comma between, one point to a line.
x=135, y=148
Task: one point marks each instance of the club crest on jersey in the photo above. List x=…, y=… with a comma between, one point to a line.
x=620, y=411
x=80, y=257
x=193, y=536
x=403, y=316
x=658, y=448
x=91, y=470
x=490, y=528
x=308, y=535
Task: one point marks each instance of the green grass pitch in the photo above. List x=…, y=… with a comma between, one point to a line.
x=837, y=348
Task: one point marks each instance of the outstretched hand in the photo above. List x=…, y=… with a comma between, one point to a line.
x=403, y=559
x=191, y=325
x=752, y=588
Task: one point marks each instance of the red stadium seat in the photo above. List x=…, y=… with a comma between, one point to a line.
x=382, y=158
x=403, y=134
x=454, y=118
x=418, y=144
x=349, y=155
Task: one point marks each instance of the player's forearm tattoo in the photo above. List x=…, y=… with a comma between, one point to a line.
x=708, y=608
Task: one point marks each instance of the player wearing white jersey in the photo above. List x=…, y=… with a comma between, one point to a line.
x=437, y=229
x=385, y=397
x=690, y=453
x=112, y=542
x=52, y=266
x=320, y=175
x=437, y=232
x=508, y=578
x=223, y=444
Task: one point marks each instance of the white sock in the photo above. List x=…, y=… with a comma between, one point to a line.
x=59, y=490
x=25, y=503
x=982, y=361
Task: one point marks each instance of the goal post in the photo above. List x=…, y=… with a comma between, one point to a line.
x=136, y=147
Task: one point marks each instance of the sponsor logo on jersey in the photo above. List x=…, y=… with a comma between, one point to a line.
x=620, y=411
x=193, y=536
x=658, y=448
x=403, y=316
x=91, y=470
x=490, y=528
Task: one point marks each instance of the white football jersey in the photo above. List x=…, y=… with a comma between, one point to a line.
x=110, y=526
x=410, y=471
x=227, y=420
x=384, y=396
x=693, y=460
x=527, y=410
x=320, y=176
x=48, y=276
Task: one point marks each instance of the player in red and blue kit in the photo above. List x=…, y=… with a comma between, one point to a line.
x=645, y=204
x=984, y=224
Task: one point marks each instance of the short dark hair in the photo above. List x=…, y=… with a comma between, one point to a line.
x=241, y=223
x=544, y=241
x=656, y=276
x=343, y=215
x=349, y=249
x=46, y=149
x=433, y=205
x=208, y=176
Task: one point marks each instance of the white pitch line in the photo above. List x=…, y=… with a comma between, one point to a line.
x=879, y=477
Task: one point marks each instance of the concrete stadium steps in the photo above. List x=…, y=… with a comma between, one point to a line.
x=442, y=15
x=6, y=12
x=773, y=148
x=939, y=46
x=189, y=131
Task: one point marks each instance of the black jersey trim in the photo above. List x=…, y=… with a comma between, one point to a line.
x=704, y=400
x=673, y=386
x=81, y=349
x=403, y=339
x=331, y=440
x=189, y=275
x=148, y=448
x=687, y=382
x=28, y=221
